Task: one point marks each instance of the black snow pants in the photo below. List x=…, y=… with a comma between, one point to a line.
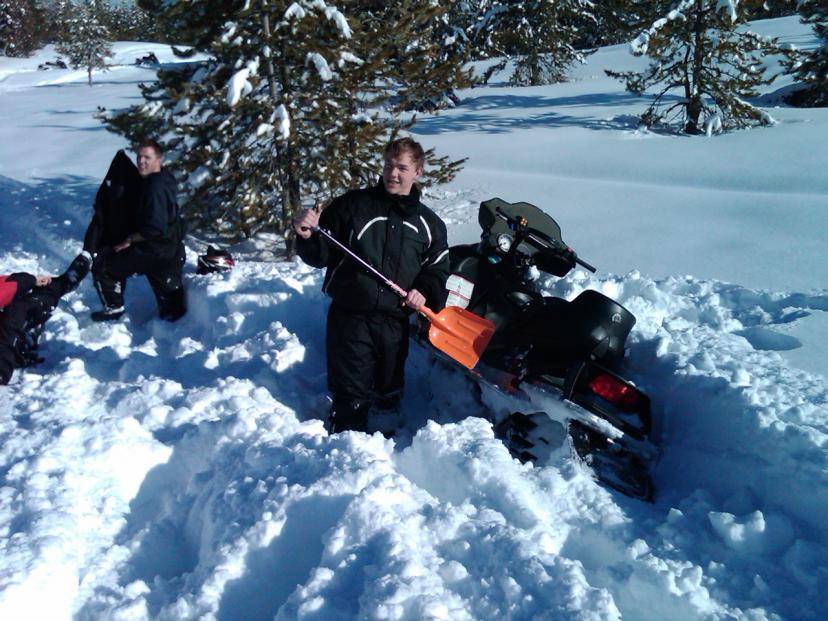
x=21, y=323
x=366, y=361
x=111, y=270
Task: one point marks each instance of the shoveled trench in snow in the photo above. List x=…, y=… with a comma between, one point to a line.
x=174, y=471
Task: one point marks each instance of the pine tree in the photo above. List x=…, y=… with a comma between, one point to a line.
x=85, y=41
x=290, y=109
x=538, y=36
x=423, y=62
x=475, y=25
x=701, y=52
x=811, y=68
x=197, y=24
x=20, y=27
x=131, y=23
x=12, y=15
x=59, y=15
x=543, y=32
x=614, y=21
x=771, y=8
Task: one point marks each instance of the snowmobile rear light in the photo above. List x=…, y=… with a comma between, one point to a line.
x=619, y=393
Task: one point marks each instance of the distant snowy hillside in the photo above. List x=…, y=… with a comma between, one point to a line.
x=181, y=471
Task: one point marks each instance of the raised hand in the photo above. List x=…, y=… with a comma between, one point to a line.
x=306, y=221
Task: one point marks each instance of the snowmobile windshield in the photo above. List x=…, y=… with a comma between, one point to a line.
x=495, y=227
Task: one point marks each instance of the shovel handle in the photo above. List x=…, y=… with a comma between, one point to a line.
x=386, y=281
x=428, y=313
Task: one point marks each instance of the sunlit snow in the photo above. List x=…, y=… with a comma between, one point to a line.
x=181, y=471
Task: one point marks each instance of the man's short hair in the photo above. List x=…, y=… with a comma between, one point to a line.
x=150, y=143
x=397, y=147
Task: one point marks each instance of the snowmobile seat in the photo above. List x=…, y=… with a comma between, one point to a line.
x=604, y=320
x=465, y=260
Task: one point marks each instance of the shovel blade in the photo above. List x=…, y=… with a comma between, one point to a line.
x=460, y=334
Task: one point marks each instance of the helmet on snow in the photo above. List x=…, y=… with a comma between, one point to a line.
x=214, y=260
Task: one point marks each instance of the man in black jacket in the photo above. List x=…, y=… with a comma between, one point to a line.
x=137, y=230
x=367, y=329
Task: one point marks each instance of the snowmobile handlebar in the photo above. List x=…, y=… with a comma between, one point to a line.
x=541, y=239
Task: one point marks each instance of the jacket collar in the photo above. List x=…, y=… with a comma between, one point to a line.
x=407, y=205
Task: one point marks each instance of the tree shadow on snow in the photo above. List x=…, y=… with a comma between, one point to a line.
x=81, y=83
x=486, y=114
x=70, y=128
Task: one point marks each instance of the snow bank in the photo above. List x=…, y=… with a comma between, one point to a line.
x=180, y=471
x=233, y=502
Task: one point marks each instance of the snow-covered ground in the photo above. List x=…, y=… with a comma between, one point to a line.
x=180, y=471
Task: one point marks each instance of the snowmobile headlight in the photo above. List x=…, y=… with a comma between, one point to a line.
x=504, y=242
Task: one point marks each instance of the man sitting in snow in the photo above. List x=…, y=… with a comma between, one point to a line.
x=137, y=229
x=26, y=302
x=367, y=330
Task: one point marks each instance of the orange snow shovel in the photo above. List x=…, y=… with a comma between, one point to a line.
x=458, y=333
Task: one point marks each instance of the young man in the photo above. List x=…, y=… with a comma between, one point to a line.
x=367, y=330
x=26, y=302
x=137, y=229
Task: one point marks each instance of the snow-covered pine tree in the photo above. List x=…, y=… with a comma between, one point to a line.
x=473, y=24
x=59, y=13
x=288, y=110
x=85, y=40
x=195, y=22
x=436, y=59
x=12, y=14
x=20, y=27
x=614, y=21
x=772, y=8
x=423, y=59
x=538, y=36
x=811, y=67
x=128, y=22
x=704, y=66
x=542, y=35
x=475, y=27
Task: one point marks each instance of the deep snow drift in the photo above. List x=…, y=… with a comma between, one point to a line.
x=150, y=470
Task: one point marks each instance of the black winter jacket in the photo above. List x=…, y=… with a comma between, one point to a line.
x=398, y=235
x=156, y=218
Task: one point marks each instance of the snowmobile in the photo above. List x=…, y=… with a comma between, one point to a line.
x=546, y=350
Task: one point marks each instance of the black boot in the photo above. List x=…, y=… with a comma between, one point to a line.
x=108, y=314
x=385, y=415
x=6, y=365
x=172, y=305
x=75, y=273
x=348, y=414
